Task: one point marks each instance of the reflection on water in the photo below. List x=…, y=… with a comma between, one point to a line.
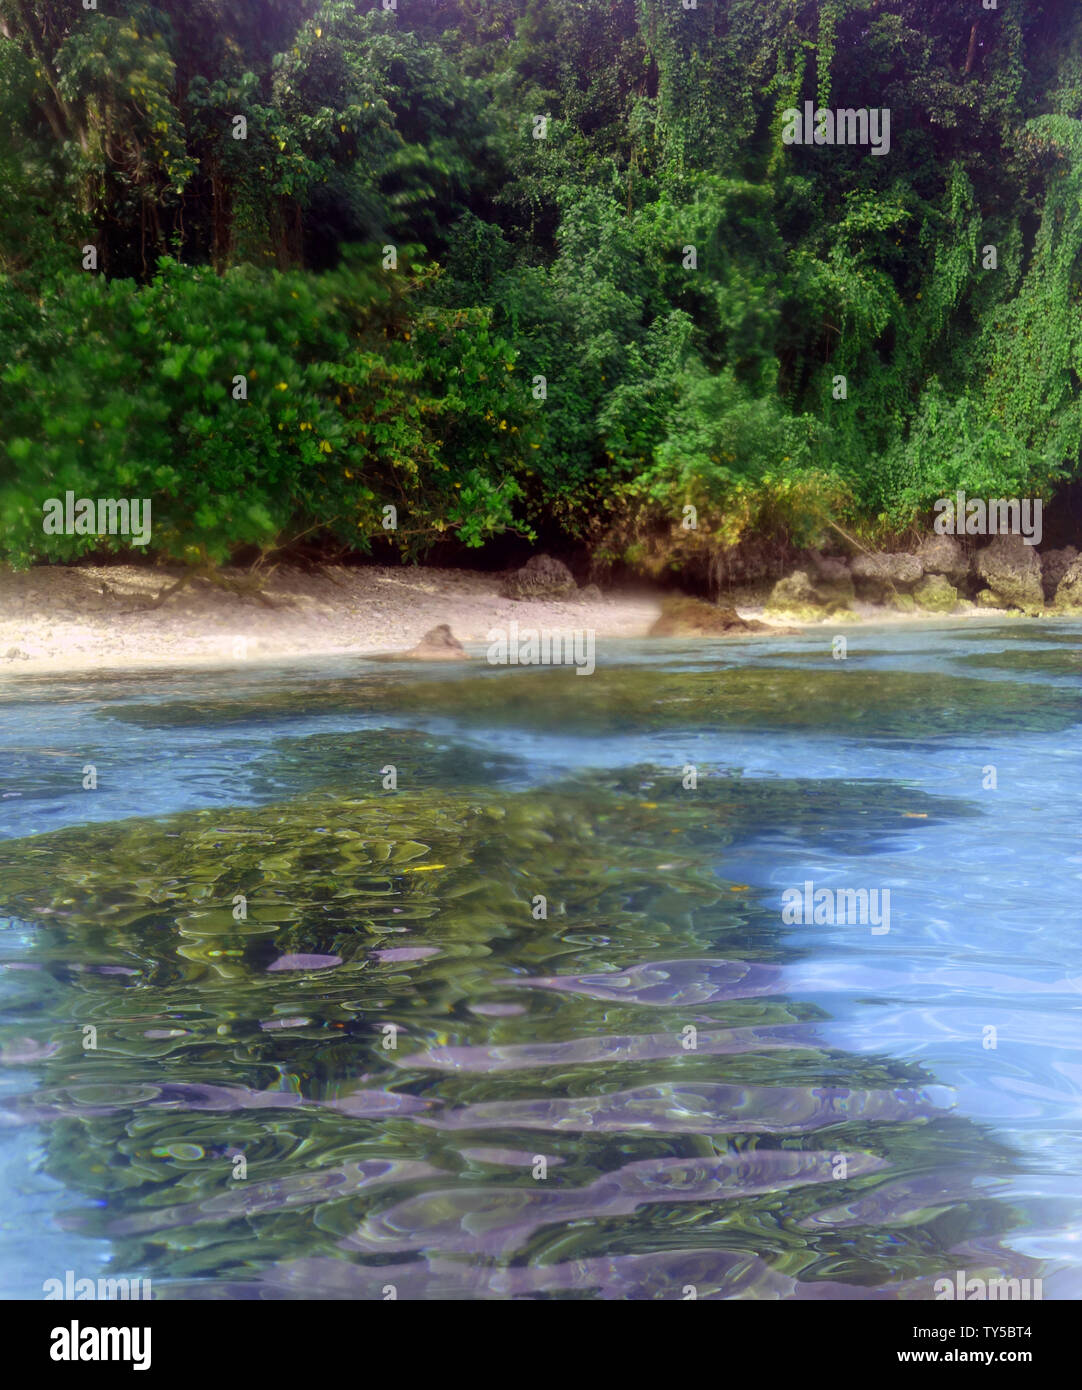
x=523, y=1019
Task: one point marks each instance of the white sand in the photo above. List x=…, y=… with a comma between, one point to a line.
x=60, y=619
x=56, y=619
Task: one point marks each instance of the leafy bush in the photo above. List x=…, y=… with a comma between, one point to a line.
x=359, y=396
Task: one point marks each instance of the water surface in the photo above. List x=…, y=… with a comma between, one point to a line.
x=658, y=1085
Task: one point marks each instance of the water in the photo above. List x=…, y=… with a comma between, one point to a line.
x=386, y=1069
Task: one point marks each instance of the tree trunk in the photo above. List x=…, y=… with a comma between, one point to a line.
x=971, y=56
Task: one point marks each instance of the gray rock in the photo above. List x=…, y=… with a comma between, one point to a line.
x=798, y=598
x=1069, y=589
x=541, y=577
x=693, y=617
x=1054, y=565
x=831, y=578
x=943, y=555
x=1011, y=570
x=438, y=644
x=882, y=574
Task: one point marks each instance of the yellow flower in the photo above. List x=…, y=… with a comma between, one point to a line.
x=503, y=424
x=324, y=447
x=281, y=386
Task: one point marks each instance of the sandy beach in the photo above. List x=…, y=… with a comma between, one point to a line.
x=98, y=618
x=54, y=618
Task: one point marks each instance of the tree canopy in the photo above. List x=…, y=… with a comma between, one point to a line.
x=547, y=265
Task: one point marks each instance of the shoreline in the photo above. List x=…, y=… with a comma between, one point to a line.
x=56, y=620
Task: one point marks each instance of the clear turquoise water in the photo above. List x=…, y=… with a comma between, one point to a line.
x=559, y=1039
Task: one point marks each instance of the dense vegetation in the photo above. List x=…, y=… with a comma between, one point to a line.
x=392, y=293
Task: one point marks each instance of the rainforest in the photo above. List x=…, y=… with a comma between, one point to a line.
x=445, y=249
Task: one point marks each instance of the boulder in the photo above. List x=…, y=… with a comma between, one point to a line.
x=936, y=594
x=798, y=598
x=590, y=593
x=1069, y=590
x=831, y=578
x=1054, y=565
x=540, y=577
x=438, y=644
x=943, y=555
x=1011, y=570
x=693, y=617
x=881, y=575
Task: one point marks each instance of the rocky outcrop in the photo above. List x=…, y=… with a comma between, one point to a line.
x=1012, y=572
x=693, y=617
x=943, y=555
x=796, y=597
x=540, y=577
x=1068, y=598
x=1054, y=565
x=936, y=594
x=882, y=575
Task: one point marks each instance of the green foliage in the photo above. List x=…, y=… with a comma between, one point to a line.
x=358, y=394
x=565, y=258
